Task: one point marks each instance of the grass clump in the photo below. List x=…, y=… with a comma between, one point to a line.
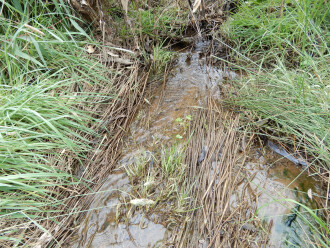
x=161, y=59
x=275, y=28
x=296, y=104
x=171, y=161
x=294, y=97
x=159, y=180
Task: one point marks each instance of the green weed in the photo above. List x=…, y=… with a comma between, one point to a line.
x=161, y=58
x=162, y=183
x=171, y=161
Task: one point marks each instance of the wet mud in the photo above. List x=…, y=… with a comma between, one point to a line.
x=109, y=223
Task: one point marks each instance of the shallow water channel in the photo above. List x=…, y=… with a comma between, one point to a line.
x=271, y=176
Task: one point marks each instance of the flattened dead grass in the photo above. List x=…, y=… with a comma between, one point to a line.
x=214, y=156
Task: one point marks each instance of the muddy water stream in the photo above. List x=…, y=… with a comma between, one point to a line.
x=156, y=125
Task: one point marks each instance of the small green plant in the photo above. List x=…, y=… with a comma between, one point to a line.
x=171, y=161
x=184, y=123
x=183, y=198
x=161, y=58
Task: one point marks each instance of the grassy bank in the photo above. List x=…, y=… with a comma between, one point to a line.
x=44, y=118
x=282, y=48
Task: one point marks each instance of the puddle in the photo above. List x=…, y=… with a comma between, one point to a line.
x=273, y=179
x=102, y=228
x=164, y=120
x=188, y=87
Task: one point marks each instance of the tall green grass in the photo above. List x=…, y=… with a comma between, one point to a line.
x=44, y=68
x=291, y=30
x=292, y=91
x=296, y=103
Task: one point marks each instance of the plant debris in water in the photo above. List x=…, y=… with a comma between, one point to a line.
x=191, y=178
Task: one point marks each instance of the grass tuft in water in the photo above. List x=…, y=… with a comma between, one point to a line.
x=159, y=184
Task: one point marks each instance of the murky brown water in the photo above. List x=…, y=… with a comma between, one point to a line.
x=101, y=227
x=273, y=180
x=156, y=125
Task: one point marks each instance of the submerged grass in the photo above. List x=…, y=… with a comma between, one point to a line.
x=159, y=180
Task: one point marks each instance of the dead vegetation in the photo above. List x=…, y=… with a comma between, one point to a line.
x=214, y=155
x=117, y=116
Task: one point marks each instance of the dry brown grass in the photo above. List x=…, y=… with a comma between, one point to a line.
x=129, y=86
x=216, y=221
